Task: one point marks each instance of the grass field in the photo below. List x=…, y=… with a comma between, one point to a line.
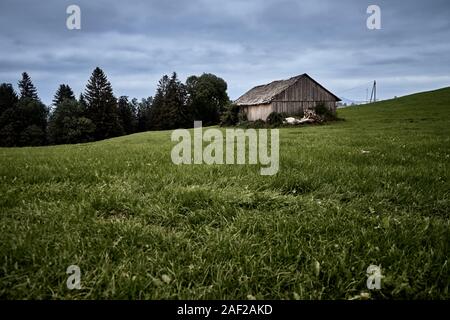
x=373, y=189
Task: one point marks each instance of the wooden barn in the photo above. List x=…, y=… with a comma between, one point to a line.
x=292, y=96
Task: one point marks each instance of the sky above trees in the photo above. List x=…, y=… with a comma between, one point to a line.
x=244, y=42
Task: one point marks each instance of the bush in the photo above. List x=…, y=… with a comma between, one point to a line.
x=245, y=124
x=68, y=124
x=8, y=135
x=323, y=112
x=242, y=117
x=80, y=130
x=275, y=119
x=231, y=116
x=259, y=124
x=32, y=136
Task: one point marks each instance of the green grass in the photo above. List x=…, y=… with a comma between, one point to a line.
x=126, y=215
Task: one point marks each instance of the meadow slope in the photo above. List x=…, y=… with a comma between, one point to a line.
x=141, y=227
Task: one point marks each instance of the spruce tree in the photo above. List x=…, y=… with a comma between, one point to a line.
x=127, y=115
x=102, y=106
x=64, y=92
x=83, y=104
x=24, y=121
x=144, y=109
x=81, y=99
x=176, y=97
x=27, y=88
x=8, y=115
x=156, y=116
x=169, y=105
x=8, y=97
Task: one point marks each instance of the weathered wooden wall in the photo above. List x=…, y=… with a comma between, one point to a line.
x=256, y=112
x=299, y=107
x=304, y=94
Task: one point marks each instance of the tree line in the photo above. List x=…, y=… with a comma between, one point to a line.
x=97, y=114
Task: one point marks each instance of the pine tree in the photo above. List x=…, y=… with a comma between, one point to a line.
x=8, y=115
x=64, y=92
x=83, y=104
x=27, y=88
x=176, y=98
x=169, y=105
x=102, y=106
x=144, y=109
x=8, y=97
x=127, y=115
x=24, y=121
x=156, y=116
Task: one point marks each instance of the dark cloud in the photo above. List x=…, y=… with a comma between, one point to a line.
x=245, y=42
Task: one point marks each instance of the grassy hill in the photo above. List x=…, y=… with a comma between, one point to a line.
x=373, y=189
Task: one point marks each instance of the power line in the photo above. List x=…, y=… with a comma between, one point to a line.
x=359, y=86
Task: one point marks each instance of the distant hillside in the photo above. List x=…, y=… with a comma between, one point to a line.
x=424, y=106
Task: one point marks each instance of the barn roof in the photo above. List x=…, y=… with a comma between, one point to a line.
x=266, y=93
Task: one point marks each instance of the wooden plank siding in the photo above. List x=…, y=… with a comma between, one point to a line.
x=303, y=95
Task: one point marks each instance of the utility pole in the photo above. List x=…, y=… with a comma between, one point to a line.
x=373, y=94
x=374, y=91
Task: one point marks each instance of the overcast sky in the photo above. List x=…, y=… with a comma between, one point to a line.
x=245, y=42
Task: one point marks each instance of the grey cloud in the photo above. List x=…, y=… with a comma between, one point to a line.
x=245, y=42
